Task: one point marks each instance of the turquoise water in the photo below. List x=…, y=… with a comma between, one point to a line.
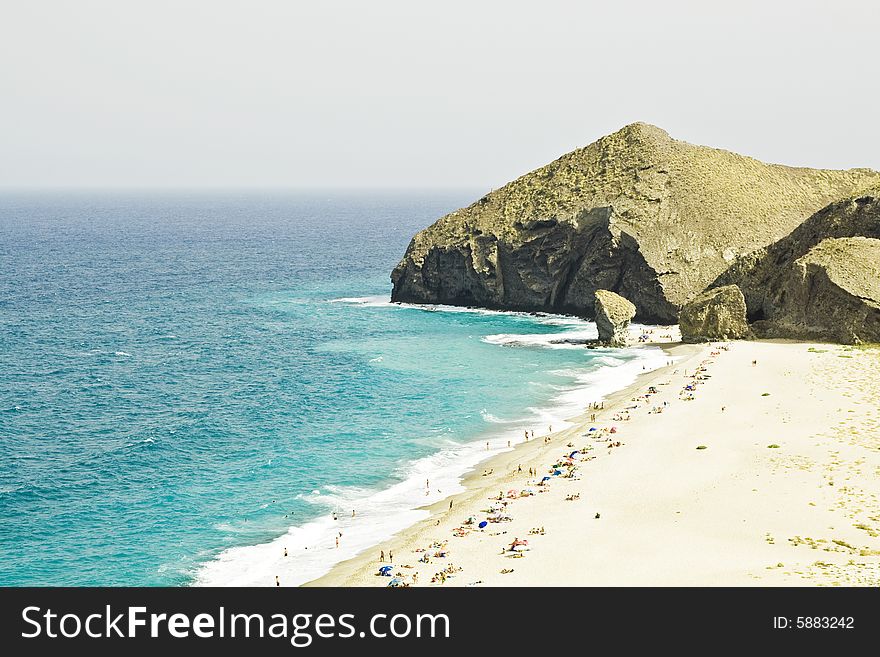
x=187, y=377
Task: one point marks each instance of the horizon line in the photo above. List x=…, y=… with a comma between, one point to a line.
x=234, y=189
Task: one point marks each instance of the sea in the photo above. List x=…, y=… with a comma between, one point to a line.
x=191, y=382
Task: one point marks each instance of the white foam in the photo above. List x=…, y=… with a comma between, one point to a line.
x=385, y=302
x=562, y=340
x=371, y=302
x=494, y=419
x=580, y=331
x=380, y=514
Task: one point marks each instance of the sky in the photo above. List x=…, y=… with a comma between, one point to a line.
x=419, y=95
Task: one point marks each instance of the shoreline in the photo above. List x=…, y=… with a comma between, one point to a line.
x=474, y=483
x=757, y=505
x=406, y=502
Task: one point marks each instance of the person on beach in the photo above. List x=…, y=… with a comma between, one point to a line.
x=352, y=513
x=381, y=556
x=390, y=557
x=285, y=552
x=277, y=583
x=450, y=505
x=337, y=541
x=526, y=432
x=487, y=445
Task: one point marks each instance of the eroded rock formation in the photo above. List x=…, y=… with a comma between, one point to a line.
x=832, y=293
x=613, y=315
x=717, y=314
x=819, y=282
x=758, y=273
x=638, y=213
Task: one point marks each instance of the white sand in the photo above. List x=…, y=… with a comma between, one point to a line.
x=735, y=513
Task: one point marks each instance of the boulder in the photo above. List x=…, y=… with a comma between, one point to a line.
x=613, y=315
x=717, y=314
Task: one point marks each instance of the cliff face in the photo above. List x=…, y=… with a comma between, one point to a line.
x=831, y=293
x=762, y=275
x=638, y=213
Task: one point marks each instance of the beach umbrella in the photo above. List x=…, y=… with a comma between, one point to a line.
x=397, y=581
x=571, y=456
x=593, y=429
x=557, y=472
x=482, y=524
x=545, y=479
x=386, y=570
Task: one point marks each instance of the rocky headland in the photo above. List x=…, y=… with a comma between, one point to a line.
x=661, y=222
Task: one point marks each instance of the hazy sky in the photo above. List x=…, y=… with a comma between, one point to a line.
x=272, y=93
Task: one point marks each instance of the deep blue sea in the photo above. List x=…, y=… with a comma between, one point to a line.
x=190, y=383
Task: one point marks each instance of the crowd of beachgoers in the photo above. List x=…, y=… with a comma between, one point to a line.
x=603, y=435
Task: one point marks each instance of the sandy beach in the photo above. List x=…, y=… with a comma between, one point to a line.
x=763, y=473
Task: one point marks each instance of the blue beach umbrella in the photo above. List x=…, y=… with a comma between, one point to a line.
x=546, y=479
x=386, y=570
x=482, y=524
